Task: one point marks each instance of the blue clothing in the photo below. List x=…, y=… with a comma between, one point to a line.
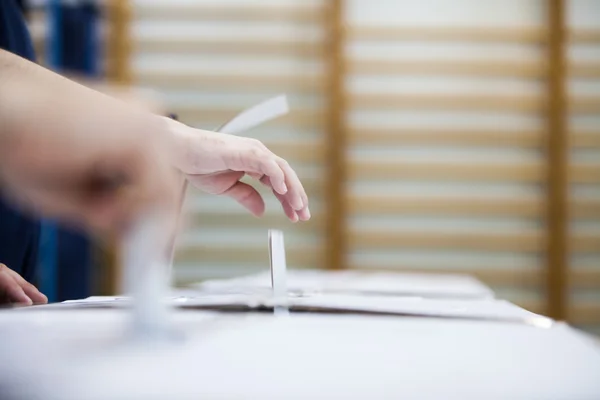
x=19, y=234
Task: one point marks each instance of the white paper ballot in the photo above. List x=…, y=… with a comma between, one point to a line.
x=278, y=264
x=256, y=115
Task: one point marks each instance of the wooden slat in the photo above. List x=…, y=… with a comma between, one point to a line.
x=467, y=137
x=241, y=81
x=585, y=173
x=387, y=170
x=585, y=105
x=337, y=174
x=584, y=242
x=480, y=241
x=585, y=139
x=299, y=13
x=585, y=69
x=584, y=36
x=299, y=152
x=448, y=205
x=509, y=103
x=557, y=249
x=304, y=256
x=584, y=313
x=470, y=68
x=216, y=116
x=242, y=46
x=271, y=220
x=584, y=278
x=447, y=34
x=585, y=208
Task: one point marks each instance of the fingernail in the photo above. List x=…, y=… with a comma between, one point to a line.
x=285, y=189
x=307, y=212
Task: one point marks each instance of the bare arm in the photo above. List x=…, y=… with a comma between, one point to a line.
x=62, y=141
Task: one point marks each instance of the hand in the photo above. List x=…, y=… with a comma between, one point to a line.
x=16, y=290
x=215, y=163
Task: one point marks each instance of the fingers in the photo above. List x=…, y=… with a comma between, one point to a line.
x=296, y=196
x=11, y=289
x=31, y=291
x=287, y=208
x=248, y=197
x=283, y=179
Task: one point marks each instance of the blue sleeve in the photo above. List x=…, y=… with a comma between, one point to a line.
x=19, y=237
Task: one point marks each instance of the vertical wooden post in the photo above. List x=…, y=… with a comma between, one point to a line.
x=558, y=152
x=118, y=44
x=336, y=147
x=117, y=50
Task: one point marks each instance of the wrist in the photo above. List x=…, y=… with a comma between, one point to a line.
x=178, y=137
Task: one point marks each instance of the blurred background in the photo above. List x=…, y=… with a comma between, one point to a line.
x=441, y=136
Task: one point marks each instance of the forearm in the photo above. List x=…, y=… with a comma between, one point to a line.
x=34, y=99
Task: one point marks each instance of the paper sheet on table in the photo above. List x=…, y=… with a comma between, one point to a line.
x=366, y=283
x=481, y=309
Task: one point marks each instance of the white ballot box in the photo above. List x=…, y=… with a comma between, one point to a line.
x=342, y=338
x=79, y=353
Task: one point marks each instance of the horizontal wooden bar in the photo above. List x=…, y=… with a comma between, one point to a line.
x=192, y=114
x=584, y=36
x=505, y=69
x=298, y=12
x=200, y=254
x=584, y=313
x=467, y=137
x=584, y=242
x=480, y=241
x=585, y=173
x=585, y=139
x=585, y=208
x=446, y=205
x=388, y=170
x=386, y=101
x=242, y=46
x=584, y=69
x=584, y=105
x=447, y=34
x=298, y=151
x=584, y=278
x=241, y=81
